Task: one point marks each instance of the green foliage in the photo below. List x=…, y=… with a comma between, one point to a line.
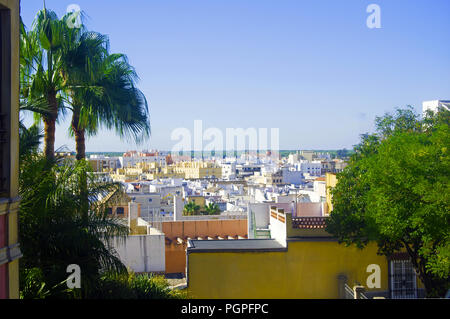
x=29, y=140
x=56, y=231
x=191, y=209
x=212, y=209
x=135, y=286
x=395, y=192
x=33, y=285
x=55, y=228
x=72, y=69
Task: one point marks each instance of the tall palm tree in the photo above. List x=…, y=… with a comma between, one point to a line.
x=41, y=64
x=108, y=97
x=71, y=69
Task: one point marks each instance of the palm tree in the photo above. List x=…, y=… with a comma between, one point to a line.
x=191, y=209
x=212, y=209
x=30, y=138
x=109, y=96
x=54, y=230
x=70, y=68
x=41, y=63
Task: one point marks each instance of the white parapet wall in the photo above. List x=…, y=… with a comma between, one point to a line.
x=278, y=225
x=143, y=253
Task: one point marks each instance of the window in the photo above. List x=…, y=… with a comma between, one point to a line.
x=120, y=211
x=403, y=279
x=109, y=210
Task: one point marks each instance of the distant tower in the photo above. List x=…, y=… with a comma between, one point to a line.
x=169, y=160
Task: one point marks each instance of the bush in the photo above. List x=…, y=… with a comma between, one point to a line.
x=135, y=286
x=33, y=286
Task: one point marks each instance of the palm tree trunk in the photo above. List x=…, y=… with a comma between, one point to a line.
x=81, y=154
x=50, y=127
x=80, y=140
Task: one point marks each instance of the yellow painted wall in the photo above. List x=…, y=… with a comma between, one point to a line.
x=198, y=200
x=330, y=182
x=306, y=270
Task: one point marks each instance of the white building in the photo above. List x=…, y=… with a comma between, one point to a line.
x=130, y=161
x=101, y=162
x=228, y=171
x=291, y=176
x=141, y=253
x=434, y=105
x=313, y=168
x=293, y=158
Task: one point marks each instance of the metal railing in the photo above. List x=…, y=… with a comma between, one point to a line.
x=350, y=293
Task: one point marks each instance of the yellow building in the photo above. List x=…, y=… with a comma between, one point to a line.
x=9, y=148
x=126, y=174
x=160, y=172
x=197, y=200
x=330, y=183
x=267, y=178
x=301, y=261
x=103, y=164
x=195, y=170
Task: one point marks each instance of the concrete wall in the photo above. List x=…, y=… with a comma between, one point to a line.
x=261, y=213
x=142, y=253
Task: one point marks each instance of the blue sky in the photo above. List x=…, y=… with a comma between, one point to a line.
x=313, y=69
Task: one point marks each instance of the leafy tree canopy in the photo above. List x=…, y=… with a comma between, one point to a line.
x=395, y=192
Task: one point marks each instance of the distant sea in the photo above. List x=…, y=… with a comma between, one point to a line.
x=238, y=153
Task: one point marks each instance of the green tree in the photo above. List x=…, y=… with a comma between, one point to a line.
x=71, y=69
x=191, y=209
x=395, y=192
x=41, y=65
x=212, y=209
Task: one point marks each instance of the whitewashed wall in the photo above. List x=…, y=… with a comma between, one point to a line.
x=142, y=253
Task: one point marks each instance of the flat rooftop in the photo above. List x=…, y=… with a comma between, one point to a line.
x=235, y=245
